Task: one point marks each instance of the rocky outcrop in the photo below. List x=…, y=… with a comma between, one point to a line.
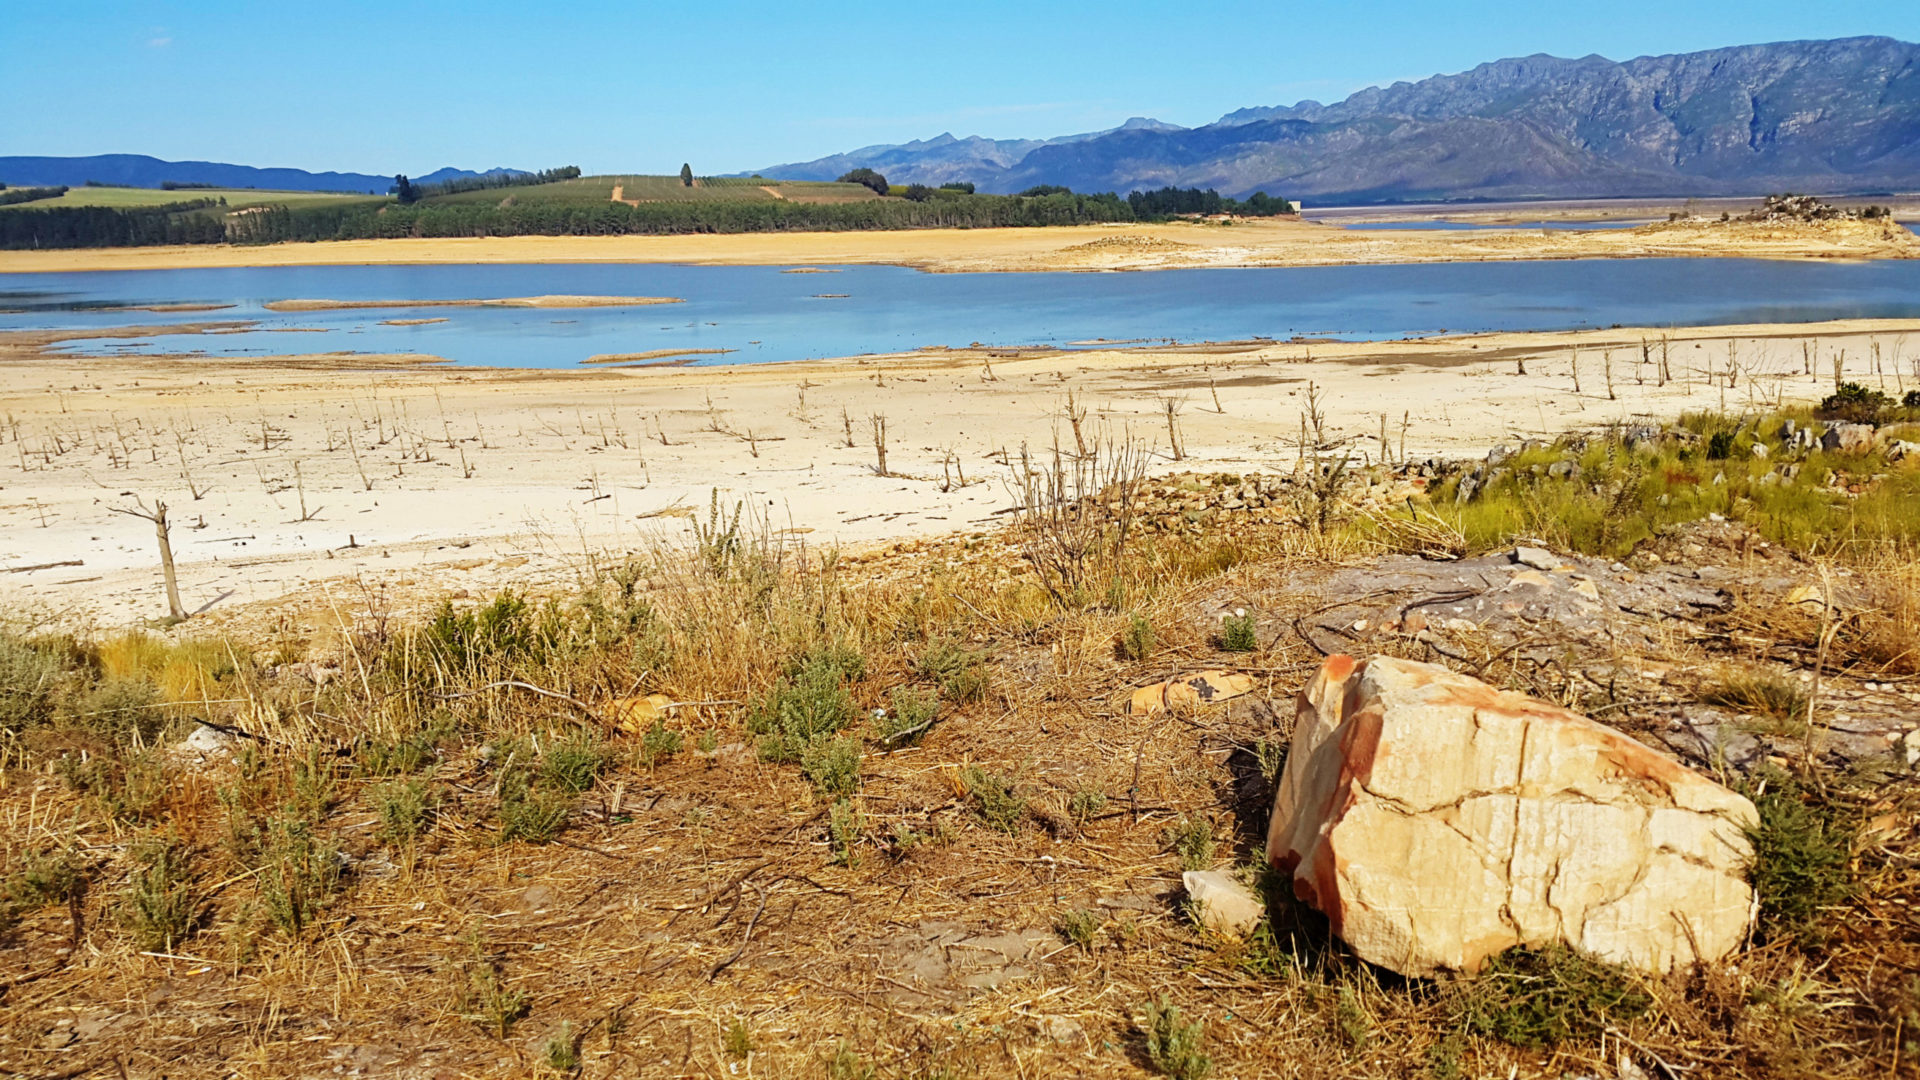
x=1437, y=821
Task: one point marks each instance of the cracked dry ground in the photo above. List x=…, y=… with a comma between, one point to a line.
x=702, y=894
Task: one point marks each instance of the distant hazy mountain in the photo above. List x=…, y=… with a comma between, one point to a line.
x=1823, y=116
x=138, y=170
x=943, y=158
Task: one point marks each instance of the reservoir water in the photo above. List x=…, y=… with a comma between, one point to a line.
x=767, y=314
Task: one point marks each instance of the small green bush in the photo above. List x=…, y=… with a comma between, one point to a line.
x=28, y=678
x=574, y=762
x=490, y=1003
x=1078, y=927
x=1192, y=840
x=738, y=1041
x=845, y=825
x=122, y=710
x=563, y=1050
x=533, y=814
x=846, y=1065
x=659, y=743
x=995, y=799
x=1535, y=998
x=1137, y=641
x=399, y=755
x=1855, y=403
x=158, y=905
x=1802, y=855
x=1173, y=1045
x=1086, y=803
x=912, y=715
x=810, y=702
x=405, y=808
x=1238, y=633
x=833, y=765
x=39, y=879
x=298, y=873
x=961, y=673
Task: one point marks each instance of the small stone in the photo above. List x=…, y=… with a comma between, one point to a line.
x=1221, y=903
x=1760, y=451
x=1538, y=558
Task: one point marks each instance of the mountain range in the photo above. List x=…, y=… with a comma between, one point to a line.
x=1839, y=116
x=138, y=170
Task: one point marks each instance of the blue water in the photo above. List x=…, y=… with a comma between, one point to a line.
x=1576, y=226
x=766, y=315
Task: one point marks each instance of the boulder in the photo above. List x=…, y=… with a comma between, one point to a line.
x=1437, y=821
x=1902, y=450
x=1221, y=903
x=1847, y=438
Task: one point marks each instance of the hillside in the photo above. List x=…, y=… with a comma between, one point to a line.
x=1830, y=116
x=138, y=170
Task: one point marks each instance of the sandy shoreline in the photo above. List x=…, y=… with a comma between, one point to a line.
x=1065, y=248
x=290, y=477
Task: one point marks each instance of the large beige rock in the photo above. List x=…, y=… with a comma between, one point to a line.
x=1438, y=821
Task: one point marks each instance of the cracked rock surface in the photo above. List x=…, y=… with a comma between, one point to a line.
x=1437, y=821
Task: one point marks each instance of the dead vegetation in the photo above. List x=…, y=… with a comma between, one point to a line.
x=752, y=807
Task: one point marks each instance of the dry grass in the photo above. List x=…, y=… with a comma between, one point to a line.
x=695, y=906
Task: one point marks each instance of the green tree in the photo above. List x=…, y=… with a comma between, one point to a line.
x=868, y=177
x=404, y=188
x=686, y=175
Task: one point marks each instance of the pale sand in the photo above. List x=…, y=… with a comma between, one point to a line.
x=1086, y=247
x=509, y=301
x=485, y=478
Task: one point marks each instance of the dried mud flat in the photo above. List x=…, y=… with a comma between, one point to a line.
x=289, y=477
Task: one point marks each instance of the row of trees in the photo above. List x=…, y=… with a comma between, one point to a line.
x=1172, y=202
x=9, y=196
x=534, y=218
x=492, y=180
x=105, y=226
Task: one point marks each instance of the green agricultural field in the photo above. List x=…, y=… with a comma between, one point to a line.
x=129, y=197
x=651, y=189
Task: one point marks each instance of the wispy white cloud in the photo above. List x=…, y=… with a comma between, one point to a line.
x=159, y=38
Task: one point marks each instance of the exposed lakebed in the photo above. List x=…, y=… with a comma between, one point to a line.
x=744, y=314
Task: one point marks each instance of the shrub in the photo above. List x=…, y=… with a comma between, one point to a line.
x=574, y=762
x=1078, y=927
x=491, y=1003
x=1137, y=642
x=738, y=1041
x=833, y=765
x=994, y=798
x=961, y=673
x=1855, y=403
x=157, y=907
x=1802, y=851
x=37, y=881
x=1085, y=803
x=845, y=824
x=659, y=743
x=810, y=702
x=535, y=815
x=1535, y=998
x=1911, y=400
x=563, y=1050
x=1720, y=446
x=1192, y=840
x=298, y=874
x=28, y=676
x=405, y=808
x=1174, y=1046
x=913, y=713
x=399, y=755
x=1238, y=633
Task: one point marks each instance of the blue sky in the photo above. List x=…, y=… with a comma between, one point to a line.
x=640, y=87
